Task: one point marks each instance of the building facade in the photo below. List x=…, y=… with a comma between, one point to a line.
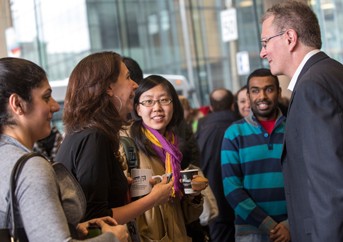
x=185, y=37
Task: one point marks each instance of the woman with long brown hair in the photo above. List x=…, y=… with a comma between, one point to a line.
x=99, y=97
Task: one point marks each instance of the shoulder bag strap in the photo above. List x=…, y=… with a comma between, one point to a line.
x=13, y=179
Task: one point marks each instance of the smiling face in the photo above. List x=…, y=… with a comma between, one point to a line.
x=39, y=113
x=123, y=92
x=274, y=51
x=158, y=116
x=263, y=95
x=243, y=103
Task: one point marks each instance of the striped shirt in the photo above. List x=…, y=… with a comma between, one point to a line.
x=252, y=177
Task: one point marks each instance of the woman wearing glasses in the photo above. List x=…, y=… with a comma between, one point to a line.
x=157, y=112
x=98, y=99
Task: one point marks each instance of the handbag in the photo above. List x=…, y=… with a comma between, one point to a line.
x=15, y=234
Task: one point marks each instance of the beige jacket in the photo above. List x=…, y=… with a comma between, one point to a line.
x=166, y=223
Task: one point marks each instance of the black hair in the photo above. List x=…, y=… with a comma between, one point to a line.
x=18, y=76
x=261, y=73
x=148, y=83
x=135, y=70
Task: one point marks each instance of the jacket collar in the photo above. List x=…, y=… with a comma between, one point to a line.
x=251, y=119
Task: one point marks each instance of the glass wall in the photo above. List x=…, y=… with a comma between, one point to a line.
x=329, y=13
x=53, y=34
x=166, y=37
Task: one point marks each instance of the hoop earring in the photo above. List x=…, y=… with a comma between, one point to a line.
x=121, y=103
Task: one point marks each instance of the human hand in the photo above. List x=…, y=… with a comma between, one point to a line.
x=199, y=183
x=119, y=231
x=82, y=228
x=280, y=233
x=129, y=180
x=161, y=191
x=157, y=179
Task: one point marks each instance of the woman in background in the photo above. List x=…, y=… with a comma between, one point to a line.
x=242, y=104
x=26, y=110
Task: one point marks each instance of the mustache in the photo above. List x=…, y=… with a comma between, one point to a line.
x=264, y=101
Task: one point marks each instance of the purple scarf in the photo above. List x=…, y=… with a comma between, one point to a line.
x=167, y=147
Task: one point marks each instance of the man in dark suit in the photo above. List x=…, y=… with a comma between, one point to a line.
x=209, y=135
x=313, y=146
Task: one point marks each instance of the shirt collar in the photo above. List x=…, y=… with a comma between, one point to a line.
x=251, y=118
x=300, y=67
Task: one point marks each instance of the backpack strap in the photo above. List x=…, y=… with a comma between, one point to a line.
x=130, y=150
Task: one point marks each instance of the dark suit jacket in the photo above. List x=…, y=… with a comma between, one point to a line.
x=313, y=153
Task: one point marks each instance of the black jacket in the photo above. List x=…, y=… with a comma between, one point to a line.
x=209, y=136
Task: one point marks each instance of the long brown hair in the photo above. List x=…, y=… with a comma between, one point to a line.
x=87, y=104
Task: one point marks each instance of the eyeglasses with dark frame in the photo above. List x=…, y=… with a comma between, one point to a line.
x=151, y=103
x=265, y=41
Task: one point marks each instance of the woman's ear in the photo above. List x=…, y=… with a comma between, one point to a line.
x=110, y=89
x=15, y=103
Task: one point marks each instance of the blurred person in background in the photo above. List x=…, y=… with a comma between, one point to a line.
x=209, y=136
x=199, y=113
x=187, y=142
x=190, y=160
x=136, y=73
x=135, y=70
x=188, y=112
x=50, y=144
x=242, y=103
